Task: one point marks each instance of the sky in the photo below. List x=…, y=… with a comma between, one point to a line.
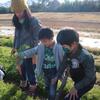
x=3, y=1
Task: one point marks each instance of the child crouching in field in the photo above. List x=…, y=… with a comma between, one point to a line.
x=49, y=56
x=82, y=68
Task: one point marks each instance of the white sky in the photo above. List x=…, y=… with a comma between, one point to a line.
x=3, y=1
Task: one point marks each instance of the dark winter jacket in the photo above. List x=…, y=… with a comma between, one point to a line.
x=27, y=38
x=82, y=68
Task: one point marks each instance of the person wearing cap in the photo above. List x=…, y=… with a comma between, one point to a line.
x=80, y=62
x=26, y=36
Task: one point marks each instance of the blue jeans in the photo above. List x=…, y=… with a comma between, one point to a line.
x=27, y=69
x=81, y=92
x=49, y=74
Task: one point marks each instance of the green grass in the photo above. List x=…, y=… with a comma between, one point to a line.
x=9, y=64
x=6, y=41
x=12, y=92
x=94, y=94
x=9, y=89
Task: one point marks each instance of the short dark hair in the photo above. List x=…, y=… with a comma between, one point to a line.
x=67, y=36
x=46, y=33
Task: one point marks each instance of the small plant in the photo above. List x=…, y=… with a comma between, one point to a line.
x=6, y=41
x=12, y=92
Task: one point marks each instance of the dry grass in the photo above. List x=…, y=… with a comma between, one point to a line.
x=95, y=51
x=80, y=21
x=98, y=78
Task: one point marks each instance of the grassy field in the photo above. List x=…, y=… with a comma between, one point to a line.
x=80, y=21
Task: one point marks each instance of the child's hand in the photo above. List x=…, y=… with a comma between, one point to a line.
x=73, y=94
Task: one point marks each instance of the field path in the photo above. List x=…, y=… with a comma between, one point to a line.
x=80, y=21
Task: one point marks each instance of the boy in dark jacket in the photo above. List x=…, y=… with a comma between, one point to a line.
x=81, y=64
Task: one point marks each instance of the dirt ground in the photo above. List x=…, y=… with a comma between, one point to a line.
x=81, y=21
